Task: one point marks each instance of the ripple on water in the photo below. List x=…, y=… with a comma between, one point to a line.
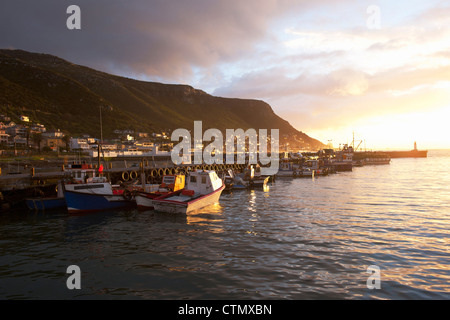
x=301, y=239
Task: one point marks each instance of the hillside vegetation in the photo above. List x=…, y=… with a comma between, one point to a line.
x=62, y=95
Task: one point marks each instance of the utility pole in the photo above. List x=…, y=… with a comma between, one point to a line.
x=101, y=137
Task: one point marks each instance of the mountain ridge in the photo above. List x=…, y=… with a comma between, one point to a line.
x=63, y=95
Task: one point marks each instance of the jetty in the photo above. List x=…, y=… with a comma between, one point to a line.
x=24, y=178
x=30, y=181
x=415, y=153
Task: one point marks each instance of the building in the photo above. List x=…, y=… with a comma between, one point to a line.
x=79, y=144
x=53, y=134
x=54, y=143
x=16, y=130
x=36, y=128
x=4, y=137
x=142, y=135
x=24, y=118
x=144, y=145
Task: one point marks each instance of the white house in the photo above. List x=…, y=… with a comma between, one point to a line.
x=53, y=134
x=79, y=144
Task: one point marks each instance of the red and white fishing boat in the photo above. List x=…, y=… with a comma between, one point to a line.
x=169, y=184
x=203, y=189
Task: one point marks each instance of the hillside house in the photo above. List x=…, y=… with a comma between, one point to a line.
x=24, y=118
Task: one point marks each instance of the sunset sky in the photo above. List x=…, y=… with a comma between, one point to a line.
x=329, y=67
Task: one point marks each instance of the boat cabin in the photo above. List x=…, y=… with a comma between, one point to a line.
x=203, y=182
x=84, y=173
x=313, y=164
x=346, y=154
x=286, y=166
x=172, y=183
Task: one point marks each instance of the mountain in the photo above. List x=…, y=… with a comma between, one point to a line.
x=66, y=96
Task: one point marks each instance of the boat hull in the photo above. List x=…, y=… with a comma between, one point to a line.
x=145, y=201
x=79, y=202
x=343, y=166
x=42, y=204
x=259, y=182
x=169, y=206
x=285, y=174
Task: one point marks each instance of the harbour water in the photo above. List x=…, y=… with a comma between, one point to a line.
x=299, y=239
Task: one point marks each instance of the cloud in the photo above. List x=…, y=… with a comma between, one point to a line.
x=315, y=62
x=158, y=38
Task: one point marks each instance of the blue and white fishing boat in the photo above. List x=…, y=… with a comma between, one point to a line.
x=87, y=192
x=95, y=195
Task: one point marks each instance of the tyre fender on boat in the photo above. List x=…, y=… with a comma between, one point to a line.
x=127, y=194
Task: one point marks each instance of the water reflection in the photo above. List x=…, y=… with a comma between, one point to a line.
x=303, y=238
x=210, y=217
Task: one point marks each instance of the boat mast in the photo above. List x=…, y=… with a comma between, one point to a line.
x=101, y=137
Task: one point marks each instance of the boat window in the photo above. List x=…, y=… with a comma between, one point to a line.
x=169, y=180
x=193, y=179
x=203, y=179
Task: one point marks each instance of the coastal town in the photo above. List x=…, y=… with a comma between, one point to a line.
x=35, y=158
x=24, y=137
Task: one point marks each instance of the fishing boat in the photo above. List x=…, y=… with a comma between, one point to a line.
x=170, y=183
x=76, y=173
x=95, y=195
x=315, y=167
x=253, y=177
x=290, y=169
x=233, y=181
x=343, y=160
x=286, y=169
x=87, y=192
x=259, y=182
x=304, y=173
x=203, y=189
x=58, y=201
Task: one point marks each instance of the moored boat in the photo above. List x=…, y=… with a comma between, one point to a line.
x=87, y=192
x=253, y=177
x=95, y=195
x=203, y=188
x=233, y=181
x=58, y=201
x=286, y=169
x=304, y=173
x=343, y=160
x=169, y=184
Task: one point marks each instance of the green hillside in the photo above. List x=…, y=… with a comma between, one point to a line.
x=65, y=96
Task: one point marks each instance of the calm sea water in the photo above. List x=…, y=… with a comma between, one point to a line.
x=301, y=239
